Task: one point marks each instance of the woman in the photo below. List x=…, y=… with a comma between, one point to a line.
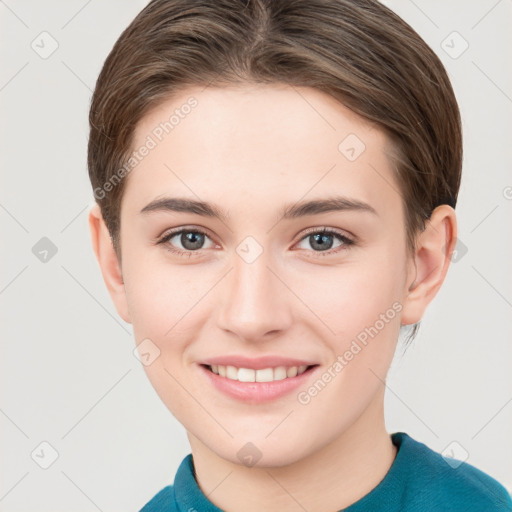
x=275, y=186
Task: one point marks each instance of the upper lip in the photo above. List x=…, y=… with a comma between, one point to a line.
x=256, y=363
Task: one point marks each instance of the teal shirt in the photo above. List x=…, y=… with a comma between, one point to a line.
x=419, y=480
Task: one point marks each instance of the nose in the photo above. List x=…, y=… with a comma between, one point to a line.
x=254, y=303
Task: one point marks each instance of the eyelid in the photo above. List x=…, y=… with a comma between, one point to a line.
x=328, y=230
x=206, y=232
x=347, y=239
x=175, y=231
x=169, y=234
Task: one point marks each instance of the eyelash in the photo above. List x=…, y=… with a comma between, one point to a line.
x=347, y=242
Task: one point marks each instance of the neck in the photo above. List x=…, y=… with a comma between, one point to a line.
x=332, y=478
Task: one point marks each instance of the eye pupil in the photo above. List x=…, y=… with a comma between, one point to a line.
x=195, y=239
x=321, y=241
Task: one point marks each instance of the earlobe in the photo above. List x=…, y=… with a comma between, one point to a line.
x=432, y=259
x=108, y=261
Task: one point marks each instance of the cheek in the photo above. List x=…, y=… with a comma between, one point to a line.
x=348, y=298
x=357, y=307
x=164, y=304
x=159, y=295
x=362, y=309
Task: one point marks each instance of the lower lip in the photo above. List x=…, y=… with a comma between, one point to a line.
x=257, y=392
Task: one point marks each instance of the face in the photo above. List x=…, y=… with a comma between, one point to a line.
x=268, y=269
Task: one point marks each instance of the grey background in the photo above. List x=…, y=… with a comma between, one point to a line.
x=68, y=374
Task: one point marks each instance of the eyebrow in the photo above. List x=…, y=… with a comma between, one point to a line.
x=291, y=211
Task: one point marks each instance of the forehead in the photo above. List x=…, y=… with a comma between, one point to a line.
x=274, y=142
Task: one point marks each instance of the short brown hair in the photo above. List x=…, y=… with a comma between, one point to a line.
x=357, y=51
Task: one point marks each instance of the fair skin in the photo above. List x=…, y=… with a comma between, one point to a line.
x=251, y=150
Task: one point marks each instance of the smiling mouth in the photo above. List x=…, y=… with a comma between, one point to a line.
x=270, y=374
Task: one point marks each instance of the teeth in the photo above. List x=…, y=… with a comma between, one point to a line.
x=263, y=375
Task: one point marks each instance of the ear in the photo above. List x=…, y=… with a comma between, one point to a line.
x=430, y=262
x=108, y=261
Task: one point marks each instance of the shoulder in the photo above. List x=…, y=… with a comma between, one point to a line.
x=163, y=500
x=449, y=484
